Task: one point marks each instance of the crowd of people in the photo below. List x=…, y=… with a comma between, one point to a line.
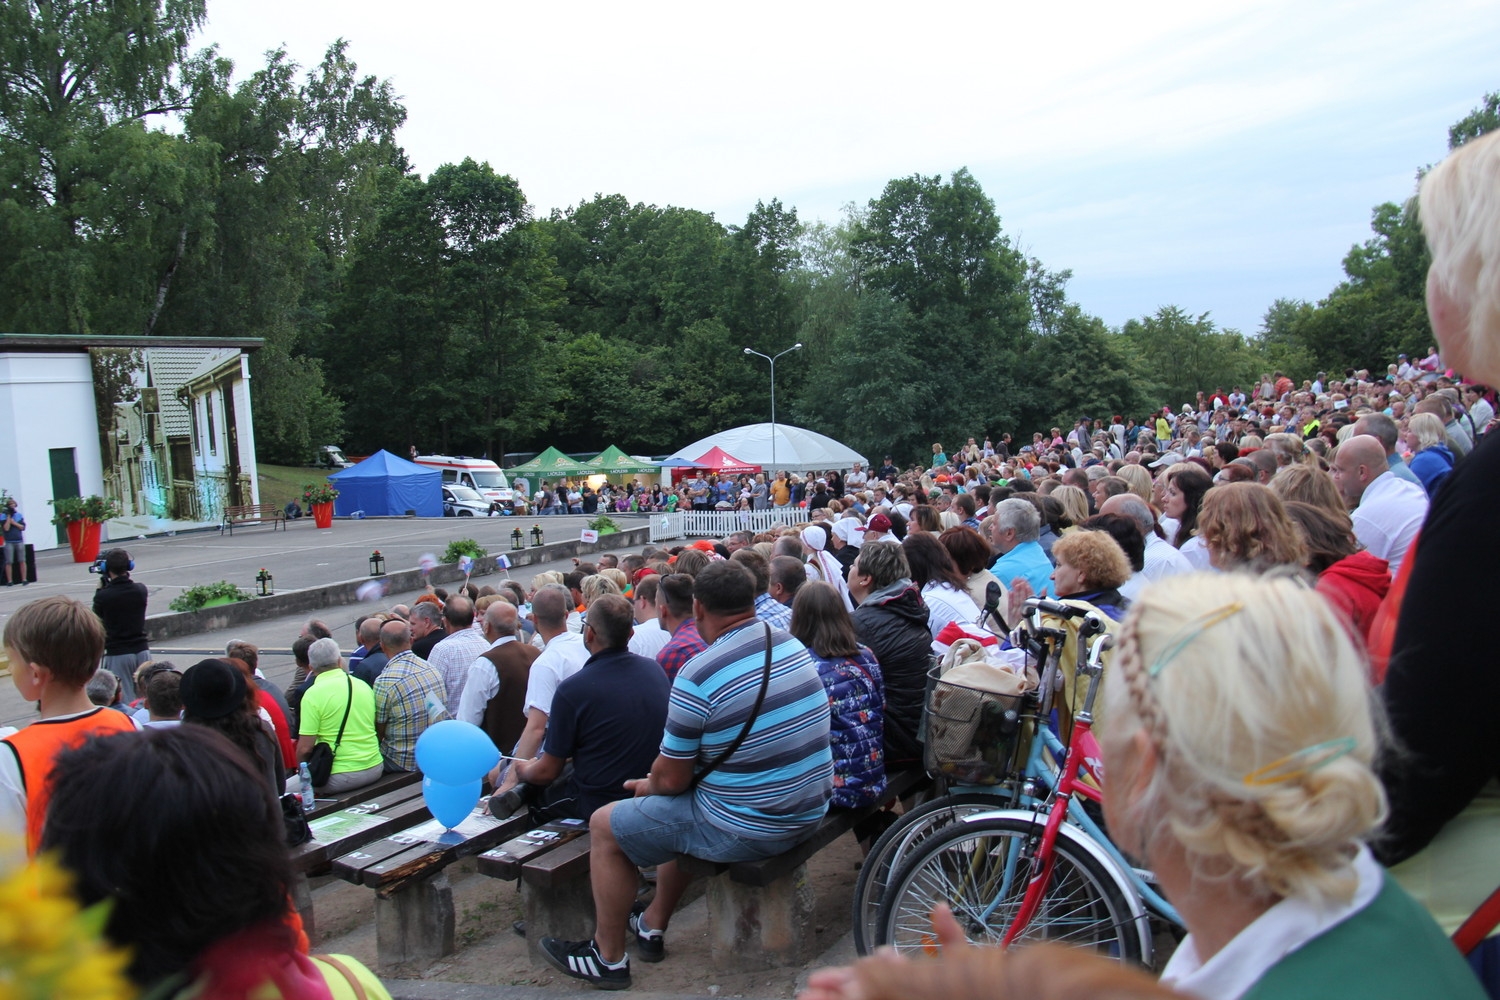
x=1270, y=557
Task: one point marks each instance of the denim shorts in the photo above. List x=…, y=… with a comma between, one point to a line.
x=652, y=829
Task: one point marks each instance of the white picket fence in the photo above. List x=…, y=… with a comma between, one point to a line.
x=718, y=523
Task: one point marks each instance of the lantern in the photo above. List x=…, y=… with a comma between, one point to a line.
x=377, y=563
x=517, y=540
x=265, y=580
x=536, y=535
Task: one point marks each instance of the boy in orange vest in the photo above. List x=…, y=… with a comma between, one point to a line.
x=54, y=645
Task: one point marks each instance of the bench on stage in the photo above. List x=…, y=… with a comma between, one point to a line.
x=253, y=513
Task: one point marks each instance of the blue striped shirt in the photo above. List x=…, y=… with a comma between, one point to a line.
x=780, y=780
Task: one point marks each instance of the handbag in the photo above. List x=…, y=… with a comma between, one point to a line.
x=320, y=758
x=295, y=820
x=760, y=699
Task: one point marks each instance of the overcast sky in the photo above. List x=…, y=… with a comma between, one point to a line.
x=1215, y=156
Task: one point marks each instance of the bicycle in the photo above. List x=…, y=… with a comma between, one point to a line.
x=1023, y=873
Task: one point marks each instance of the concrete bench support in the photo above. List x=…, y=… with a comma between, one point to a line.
x=761, y=927
x=414, y=925
x=563, y=911
x=302, y=902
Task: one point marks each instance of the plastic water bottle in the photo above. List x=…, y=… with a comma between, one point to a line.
x=307, y=786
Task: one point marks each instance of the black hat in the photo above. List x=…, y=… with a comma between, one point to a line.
x=212, y=689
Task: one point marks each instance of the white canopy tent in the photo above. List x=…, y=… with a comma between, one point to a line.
x=797, y=449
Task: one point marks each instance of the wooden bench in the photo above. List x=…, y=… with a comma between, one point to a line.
x=341, y=825
x=253, y=513
x=414, y=924
x=760, y=912
x=552, y=864
x=383, y=785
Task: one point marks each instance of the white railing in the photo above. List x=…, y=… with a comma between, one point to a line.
x=665, y=526
x=718, y=523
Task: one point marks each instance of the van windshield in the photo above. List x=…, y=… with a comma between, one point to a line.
x=489, y=480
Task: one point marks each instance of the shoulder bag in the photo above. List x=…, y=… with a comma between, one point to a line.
x=320, y=759
x=760, y=699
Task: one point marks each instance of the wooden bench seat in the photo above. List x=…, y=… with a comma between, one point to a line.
x=760, y=912
x=253, y=513
x=414, y=924
x=382, y=786
x=552, y=864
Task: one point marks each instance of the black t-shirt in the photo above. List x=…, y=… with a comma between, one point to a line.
x=423, y=646
x=121, y=606
x=590, y=502
x=609, y=718
x=1441, y=688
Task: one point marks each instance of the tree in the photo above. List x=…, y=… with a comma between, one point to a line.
x=1183, y=354
x=1485, y=118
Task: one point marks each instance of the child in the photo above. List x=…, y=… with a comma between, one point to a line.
x=54, y=646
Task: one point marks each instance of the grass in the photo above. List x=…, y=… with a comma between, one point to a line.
x=280, y=483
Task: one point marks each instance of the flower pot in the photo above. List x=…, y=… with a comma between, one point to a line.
x=323, y=514
x=83, y=539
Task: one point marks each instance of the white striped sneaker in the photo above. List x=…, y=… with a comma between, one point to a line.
x=581, y=960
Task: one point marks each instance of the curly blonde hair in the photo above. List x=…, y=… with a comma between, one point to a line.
x=1096, y=555
x=1228, y=675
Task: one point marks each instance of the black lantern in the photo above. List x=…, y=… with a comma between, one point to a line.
x=536, y=535
x=377, y=563
x=517, y=540
x=265, y=580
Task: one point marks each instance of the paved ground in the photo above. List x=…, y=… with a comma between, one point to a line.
x=299, y=557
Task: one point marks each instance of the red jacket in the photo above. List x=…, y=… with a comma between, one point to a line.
x=1355, y=586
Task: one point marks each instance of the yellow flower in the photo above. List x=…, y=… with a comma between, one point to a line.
x=49, y=947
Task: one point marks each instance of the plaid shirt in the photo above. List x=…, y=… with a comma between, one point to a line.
x=408, y=699
x=453, y=657
x=771, y=611
x=685, y=644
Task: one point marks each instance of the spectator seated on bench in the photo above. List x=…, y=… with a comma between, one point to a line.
x=698, y=799
x=339, y=710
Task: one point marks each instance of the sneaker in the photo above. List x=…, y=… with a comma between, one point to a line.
x=650, y=946
x=506, y=804
x=580, y=959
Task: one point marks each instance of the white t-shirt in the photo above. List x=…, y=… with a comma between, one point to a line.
x=563, y=657
x=648, y=639
x=944, y=605
x=1388, y=518
x=482, y=684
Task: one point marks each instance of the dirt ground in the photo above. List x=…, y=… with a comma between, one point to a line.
x=489, y=952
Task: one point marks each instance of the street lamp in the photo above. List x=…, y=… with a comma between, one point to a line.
x=789, y=350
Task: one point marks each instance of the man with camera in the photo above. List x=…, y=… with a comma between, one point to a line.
x=120, y=603
x=13, y=528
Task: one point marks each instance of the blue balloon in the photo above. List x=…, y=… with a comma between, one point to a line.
x=455, y=753
x=450, y=805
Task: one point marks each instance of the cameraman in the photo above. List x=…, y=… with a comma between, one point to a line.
x=120, y=603
x=13, y=528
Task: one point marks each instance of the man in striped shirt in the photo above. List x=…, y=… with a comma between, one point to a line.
x=757, y=802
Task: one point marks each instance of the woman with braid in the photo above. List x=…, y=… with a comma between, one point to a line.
x=1238, y=751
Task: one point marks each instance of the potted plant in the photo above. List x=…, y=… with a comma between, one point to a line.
x=82, y=518
x=208, y=595
x=319, y=497
x=604, y=524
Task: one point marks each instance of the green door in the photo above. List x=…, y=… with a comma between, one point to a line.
x=64, y=480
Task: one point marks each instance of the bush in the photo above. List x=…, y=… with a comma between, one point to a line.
x=604, y=525
x=197, y=596
x=463, y=547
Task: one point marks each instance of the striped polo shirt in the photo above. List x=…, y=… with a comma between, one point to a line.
x=780, y=779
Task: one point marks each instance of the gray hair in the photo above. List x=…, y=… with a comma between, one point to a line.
x=102, y=687
x=323, y=653
x=1133, y=507
x=1380, y=427
x=1021, y=517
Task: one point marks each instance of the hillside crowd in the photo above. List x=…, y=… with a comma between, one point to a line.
x=1268, y=558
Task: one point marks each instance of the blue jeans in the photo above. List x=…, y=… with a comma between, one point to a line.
x=652, y=829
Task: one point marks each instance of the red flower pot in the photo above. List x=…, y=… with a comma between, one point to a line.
x=83, y=539
x=323, y=514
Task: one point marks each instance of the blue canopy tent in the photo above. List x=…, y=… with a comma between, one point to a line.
x=384, y=485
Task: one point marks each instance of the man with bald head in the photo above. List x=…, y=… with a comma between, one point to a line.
x=1162, y=560
x=494, y=696
x=1387, y=512
x=408, y=698
x=1383, y=429
x=368, y=666
x=455, y=654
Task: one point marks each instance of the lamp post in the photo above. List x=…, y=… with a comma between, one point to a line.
x=789, y=350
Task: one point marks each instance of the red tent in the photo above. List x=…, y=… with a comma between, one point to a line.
x=725, y=464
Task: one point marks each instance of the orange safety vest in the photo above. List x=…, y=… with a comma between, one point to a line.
x=36, y=748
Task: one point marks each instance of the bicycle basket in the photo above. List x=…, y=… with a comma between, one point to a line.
x=972, y=731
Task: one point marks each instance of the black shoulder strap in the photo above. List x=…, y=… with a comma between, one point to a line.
x=347, y=706
x=760, y=699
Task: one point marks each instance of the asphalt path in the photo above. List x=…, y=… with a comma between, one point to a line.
x=299, y=557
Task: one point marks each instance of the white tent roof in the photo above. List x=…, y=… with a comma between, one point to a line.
x=797, y=449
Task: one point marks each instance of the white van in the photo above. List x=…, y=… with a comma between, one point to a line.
x=480, y=474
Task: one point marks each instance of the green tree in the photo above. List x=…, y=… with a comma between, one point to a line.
x=1485, y=118
x=1182, y=354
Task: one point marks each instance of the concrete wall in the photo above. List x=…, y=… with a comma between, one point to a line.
x=46, y=401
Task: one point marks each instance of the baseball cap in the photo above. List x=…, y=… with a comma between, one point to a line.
x=879, y=523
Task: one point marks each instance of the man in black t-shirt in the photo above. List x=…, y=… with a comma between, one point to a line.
x=120, y=603
x=605, y=726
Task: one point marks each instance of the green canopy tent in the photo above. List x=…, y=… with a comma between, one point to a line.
x=613, y=461
x=552, y=463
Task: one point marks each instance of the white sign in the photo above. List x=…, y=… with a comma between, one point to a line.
x=587, y=536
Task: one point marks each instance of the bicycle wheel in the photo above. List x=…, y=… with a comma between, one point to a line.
x=891, y=847
x=981, y=869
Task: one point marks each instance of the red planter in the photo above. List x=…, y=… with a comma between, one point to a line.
x=83, y=538
x=323, y=514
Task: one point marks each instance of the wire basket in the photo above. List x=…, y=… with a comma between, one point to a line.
x=971, y=734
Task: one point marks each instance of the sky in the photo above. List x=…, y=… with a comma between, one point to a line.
x=1212, y=156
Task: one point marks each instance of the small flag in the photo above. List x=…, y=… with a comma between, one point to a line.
x=588, y=537
x=427, y=563
x=371, y=590
x=503, y=562
x=466, y=564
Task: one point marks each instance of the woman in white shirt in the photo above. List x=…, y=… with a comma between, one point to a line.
x=1182, y=498
x=944, y=588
